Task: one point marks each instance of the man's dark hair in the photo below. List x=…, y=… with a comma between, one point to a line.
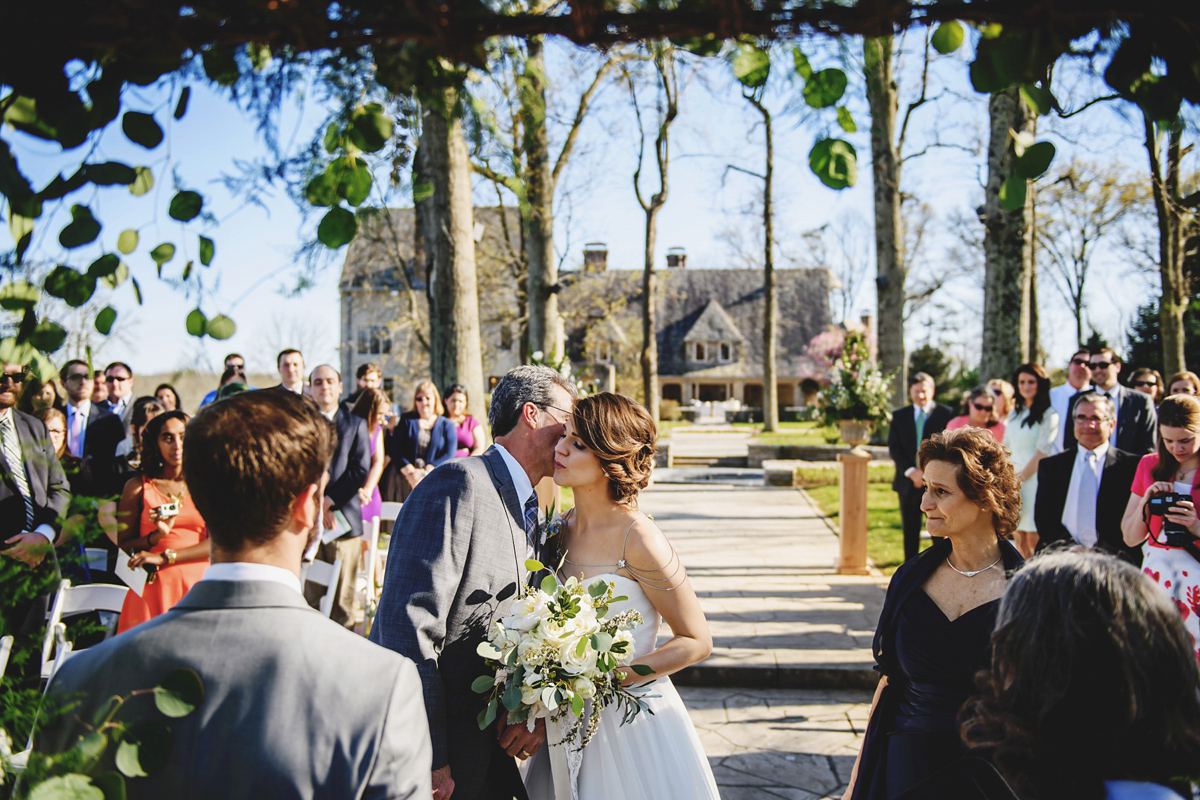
x=527, y=384
x=234, y=355
x=366, y=369
x=247, y=459
x=287, y=352
x=66, y=368
x=120, y=364
x=1107, y=352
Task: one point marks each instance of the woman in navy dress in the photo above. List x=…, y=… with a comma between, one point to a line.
x=938, y=615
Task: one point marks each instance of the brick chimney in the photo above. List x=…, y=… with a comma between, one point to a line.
x=595, y=257
x=676, y=257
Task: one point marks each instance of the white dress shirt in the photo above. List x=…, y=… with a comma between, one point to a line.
x=524, y=489
x=250, y=571
x=1071, y=506
x=1060, y=400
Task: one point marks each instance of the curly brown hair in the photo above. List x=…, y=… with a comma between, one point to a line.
x=622, y=435
x=985, y=472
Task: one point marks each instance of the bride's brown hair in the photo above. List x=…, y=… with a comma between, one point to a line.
x=622, y=435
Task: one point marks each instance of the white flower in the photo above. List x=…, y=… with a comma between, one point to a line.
x=584, y=687
x=527, y=612
x=575, y=662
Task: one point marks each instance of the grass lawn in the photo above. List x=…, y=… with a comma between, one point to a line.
x=798, y=433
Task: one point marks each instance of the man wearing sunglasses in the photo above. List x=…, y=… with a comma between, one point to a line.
x=33, y=488
x=1062, y=398
x=1137, y=421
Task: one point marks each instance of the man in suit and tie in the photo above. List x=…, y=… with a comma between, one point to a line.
x=290, y=364
x=93, y=433
x=294, y=706
x=1062, y=398
x=118, y=376
x=33, y=488
x=1137, y=421
x=467, y=530
x=1082, y=492
x=912, y=425
x=342, y=507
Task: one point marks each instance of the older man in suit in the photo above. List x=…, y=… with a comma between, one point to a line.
x=467, y=530
x=912, y=425
x=294, y=705
x=1082, y=492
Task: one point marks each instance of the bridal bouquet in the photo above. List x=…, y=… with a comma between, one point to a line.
x=557, y=649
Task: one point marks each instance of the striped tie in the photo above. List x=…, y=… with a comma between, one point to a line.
x=531, y=521
x=16, y=464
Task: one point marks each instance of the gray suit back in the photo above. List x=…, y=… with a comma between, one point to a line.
x=456, y=563
x=295, y=705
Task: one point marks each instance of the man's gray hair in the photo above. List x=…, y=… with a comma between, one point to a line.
x=1102, y=402
x=527, y=384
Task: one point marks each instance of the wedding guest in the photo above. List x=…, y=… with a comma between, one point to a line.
x=129, y=451
x=159, y=523
x=290, y=363
x=99, y=388
x=912, y=425
x=93, y=433
x=423, y=438
x=1184, y=383
x=293, y=706
x=979, y=411
x=373, y=406
x=1030, y=434
x=1170, y=552
x=1093, y=691
x=1136, y=426
x=118, y=376
x=169, y=398
x=1062, y=398
x=76, y=469
x=1002, y=390
x=471, y=439
x=367, y=376
x=234, y=360
x=939, y=613
x=38, y=396
x=233, y=381
x=1147, y=381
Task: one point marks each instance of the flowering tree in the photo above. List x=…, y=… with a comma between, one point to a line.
x=857, y=389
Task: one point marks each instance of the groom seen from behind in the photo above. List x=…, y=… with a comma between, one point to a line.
x=459, y=551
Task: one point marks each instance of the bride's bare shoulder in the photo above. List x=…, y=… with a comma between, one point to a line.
x=647, y=547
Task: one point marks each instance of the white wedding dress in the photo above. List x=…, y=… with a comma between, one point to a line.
x=654, y=757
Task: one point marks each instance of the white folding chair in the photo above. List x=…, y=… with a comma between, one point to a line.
x=367, y=574
x=96, y=558
x=388, y=514
x=6, y=644
x=325, y=574
x=71, y=601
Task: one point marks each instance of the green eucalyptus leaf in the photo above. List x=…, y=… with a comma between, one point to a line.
x=322, y=191
x=260, y=55
x=14, y=352
x=825, y=88
x=18, y=295
x=127, y=242
x=22, y=114
x=751, y=66
x=163, y=253
x=21, y=228
x=354, y=182
x=370, y=128
x=333, y=136
x=119, y=276
x=1038, y=98
x=642, y=669
x=110, y=173
x=144, y=749
x=196, y=322
x=337, y=227
x=90, y=748
x=143, y=183
x=207, y=250
x=220, y=65
x=185, y=206
x=137, y=290
x=141, y=129
x=182, y=690
x=1012, y=193
x=422, y=192
x=105, y=320
x=577, y=705
x=948, y=37
x=845, y=120
x=181, y=107
x=834, y=162
x=82, y=229
x=488, y=715
x=512, y=696
x=71, y=786
x=187, y=270
x=533, y=565
x=803, y=67
x=983, y=75
x=1034, y=163
x=483, y=684
x=60, y=281
x=220, y=327
x=706, y=45
x=61, y=187
x=598, y=588
x=111, y=783
x=549, y=584
x=48, y=336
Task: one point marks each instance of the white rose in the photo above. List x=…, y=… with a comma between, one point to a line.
x=572, y=661
x=530, y=695
x=527, y=612
x=584, y=687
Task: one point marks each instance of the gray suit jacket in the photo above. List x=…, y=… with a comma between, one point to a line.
x=295, y=706
x=43, y=473
x=458, y=553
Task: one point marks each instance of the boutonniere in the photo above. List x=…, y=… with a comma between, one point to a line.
x=551, y=525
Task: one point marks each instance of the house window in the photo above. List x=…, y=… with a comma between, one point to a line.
x=700, y=354
x=374, y=340
x=603, y=352
x=726, y=352
x=506, y=337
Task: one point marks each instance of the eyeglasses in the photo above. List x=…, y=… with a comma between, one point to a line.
x=1101, y=364
x=982, y=408
x=12, y=377
x=77, y=376
x=544, y=406
x=1147, y=384
x=1080, y=362
x=115, y=379
x=997, y=392
x=1080, y=419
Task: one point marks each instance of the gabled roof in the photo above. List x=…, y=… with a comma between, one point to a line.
x=713, y=325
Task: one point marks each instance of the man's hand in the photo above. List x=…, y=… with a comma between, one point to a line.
x=443, y=784
x=29, y=548
x=917, y=477
x=517, y=740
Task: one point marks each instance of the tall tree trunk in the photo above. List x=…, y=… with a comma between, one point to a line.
x=770, y=315
x=446, y=221
x=649, y=356
x=1006, y=247
x=1035, y=336
x=885, y=173
x=545, y=325
x=1164, y=184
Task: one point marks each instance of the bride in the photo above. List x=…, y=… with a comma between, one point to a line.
x=605, y=455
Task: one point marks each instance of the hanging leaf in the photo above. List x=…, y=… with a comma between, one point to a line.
x=333, y=138
x=948, y=37
x=803, y=68
x=104, y=266
x=117, y=278
x=187, y=270
x=260, y=55
x=1012, y=193
x=825, y=88
x=370, y=128
x=706, y=45
x=143, y=183
x=196, y=322
x=48, y=336
x=110, y=173
x=60, y=280
x=163, y=253
x=483, y=684
x=179, y=693
x=845, y=120
x=835, y=162
x=143, y=749
x=18, y=296
x=137, y=290
x=220, y=65
x=322, y=190
x=354, y=182
x=105, y=320
x=111, y=783
x=82, y=229
x=181, y=106
x=71, y=786
x=127, y=242
x=751, y=66
x=337, y=227
x=21, y=229
x=185, y=206
x=220, y=327
x=1038, y=98
x=207, y=250
x=1035, y=161
x=141, y=129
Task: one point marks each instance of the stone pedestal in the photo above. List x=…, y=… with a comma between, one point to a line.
x=852, y=512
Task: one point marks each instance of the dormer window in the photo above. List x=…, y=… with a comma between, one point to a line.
x=701, y=355
x=726, y=351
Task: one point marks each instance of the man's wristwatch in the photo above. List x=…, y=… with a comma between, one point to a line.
x=170, y=555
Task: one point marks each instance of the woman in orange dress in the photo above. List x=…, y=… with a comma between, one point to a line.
x=159, y=523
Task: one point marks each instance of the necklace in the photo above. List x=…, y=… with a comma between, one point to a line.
x=971, y=573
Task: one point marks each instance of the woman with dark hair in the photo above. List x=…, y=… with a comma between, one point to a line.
x=423, y=438
x=1167, y=535
x=1185, y=382
x=979, y=411
x=1030, y=435
x=169, y=398
x=39, y=396
x=1148, y=381
x=373, y=406
x=606, y=454
x=1093, y=691
x=159, y=524
x=471, y=440
x=938, y=614
x=128, y=459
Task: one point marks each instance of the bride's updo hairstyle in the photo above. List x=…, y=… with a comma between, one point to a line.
x=622, y=434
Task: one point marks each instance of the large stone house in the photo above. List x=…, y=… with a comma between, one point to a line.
x=709, y=321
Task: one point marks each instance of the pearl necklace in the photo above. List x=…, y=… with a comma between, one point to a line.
x=971, y=573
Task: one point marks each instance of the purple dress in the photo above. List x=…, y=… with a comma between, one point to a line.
x=372, y=509
x=466, y=436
